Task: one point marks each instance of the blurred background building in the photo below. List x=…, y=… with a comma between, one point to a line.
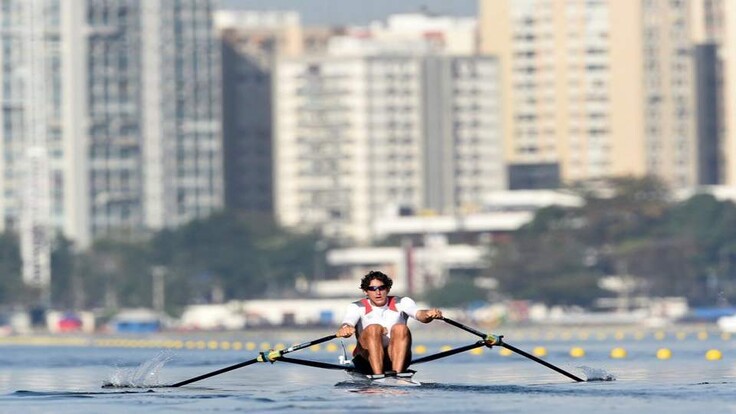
x=120, y=102
x=599, y=88
x=362, y=133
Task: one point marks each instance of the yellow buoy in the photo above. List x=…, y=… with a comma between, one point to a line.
x=681, y=335
x=577, y=352
x=250, y=346
x=664, y=353
x=212, y=344
x=539, y=351
x=659, y=335
x=225, y=345
x=713, y=355
x=420, y=349
x=331, y=348
x=504, y=352
x=445, y=348
x=477, y=351
x=315, y=348
x=618, y=353
x=726, y=336
x=265, y=346
x=703, y=335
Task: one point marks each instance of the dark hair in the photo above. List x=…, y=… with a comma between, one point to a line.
x=375, y=274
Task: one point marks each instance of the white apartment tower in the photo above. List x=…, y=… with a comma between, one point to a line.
x=127, y=118
x=596, y=87
x=364, y=136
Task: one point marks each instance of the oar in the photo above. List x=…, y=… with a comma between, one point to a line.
x=500, y=342
x=263, y=357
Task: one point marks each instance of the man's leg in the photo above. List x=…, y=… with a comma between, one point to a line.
x=399, y=347
x=371, y=343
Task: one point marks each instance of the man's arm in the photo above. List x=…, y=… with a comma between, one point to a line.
x=428, y=315
x=352, y=316
x=410, y=307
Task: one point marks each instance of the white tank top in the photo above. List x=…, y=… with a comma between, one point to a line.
x=397, y=310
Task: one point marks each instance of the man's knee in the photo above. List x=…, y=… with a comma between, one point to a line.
x=372, y=331
x=400, y=332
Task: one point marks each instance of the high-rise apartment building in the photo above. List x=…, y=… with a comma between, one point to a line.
x=595, y=88
x=126, y=113
x=251, y=42
x=359, y=137
x=727, y=51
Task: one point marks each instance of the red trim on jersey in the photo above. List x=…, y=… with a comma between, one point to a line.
x=367, y=305
x=392, y=303
x=369, y=308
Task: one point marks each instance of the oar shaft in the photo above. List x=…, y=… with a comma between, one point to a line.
x=315, y=364
x=514, y=349
x=447, y=353
x=541, y=361
x=254, y=360
x=218, y=372
x=464, y=327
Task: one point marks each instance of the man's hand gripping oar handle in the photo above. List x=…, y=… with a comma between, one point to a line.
x=497, y=340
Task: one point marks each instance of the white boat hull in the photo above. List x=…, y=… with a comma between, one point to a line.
x=402, y=379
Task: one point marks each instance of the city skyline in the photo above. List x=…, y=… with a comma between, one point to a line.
x=137, y=140
x=352, y=12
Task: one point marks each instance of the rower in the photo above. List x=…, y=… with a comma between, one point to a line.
x=379, y=324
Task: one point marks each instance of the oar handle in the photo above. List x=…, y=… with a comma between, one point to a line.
x=308, y=344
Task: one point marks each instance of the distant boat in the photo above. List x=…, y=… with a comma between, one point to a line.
x=69, y=322
x=727, y=323
x=136, y=321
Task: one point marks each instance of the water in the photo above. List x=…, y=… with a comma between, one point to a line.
x=39, y=379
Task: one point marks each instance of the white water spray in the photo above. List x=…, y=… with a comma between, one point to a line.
x=597, y=374
x=144, y=375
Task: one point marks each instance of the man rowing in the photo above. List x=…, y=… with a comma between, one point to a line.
x=379, y=324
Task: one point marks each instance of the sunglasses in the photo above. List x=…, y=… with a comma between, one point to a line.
x=376, y=288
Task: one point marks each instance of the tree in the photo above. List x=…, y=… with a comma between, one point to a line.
x=12, y=289
x=65, y=287
x=457, y=292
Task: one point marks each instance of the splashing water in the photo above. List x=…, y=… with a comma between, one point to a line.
x=597, y=374
x=144, y=375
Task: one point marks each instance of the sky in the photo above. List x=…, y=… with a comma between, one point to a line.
x=354, y=12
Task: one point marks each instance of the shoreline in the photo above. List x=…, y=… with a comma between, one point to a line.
x=420, y=332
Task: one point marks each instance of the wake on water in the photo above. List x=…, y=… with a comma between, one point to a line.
x=143, y=376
